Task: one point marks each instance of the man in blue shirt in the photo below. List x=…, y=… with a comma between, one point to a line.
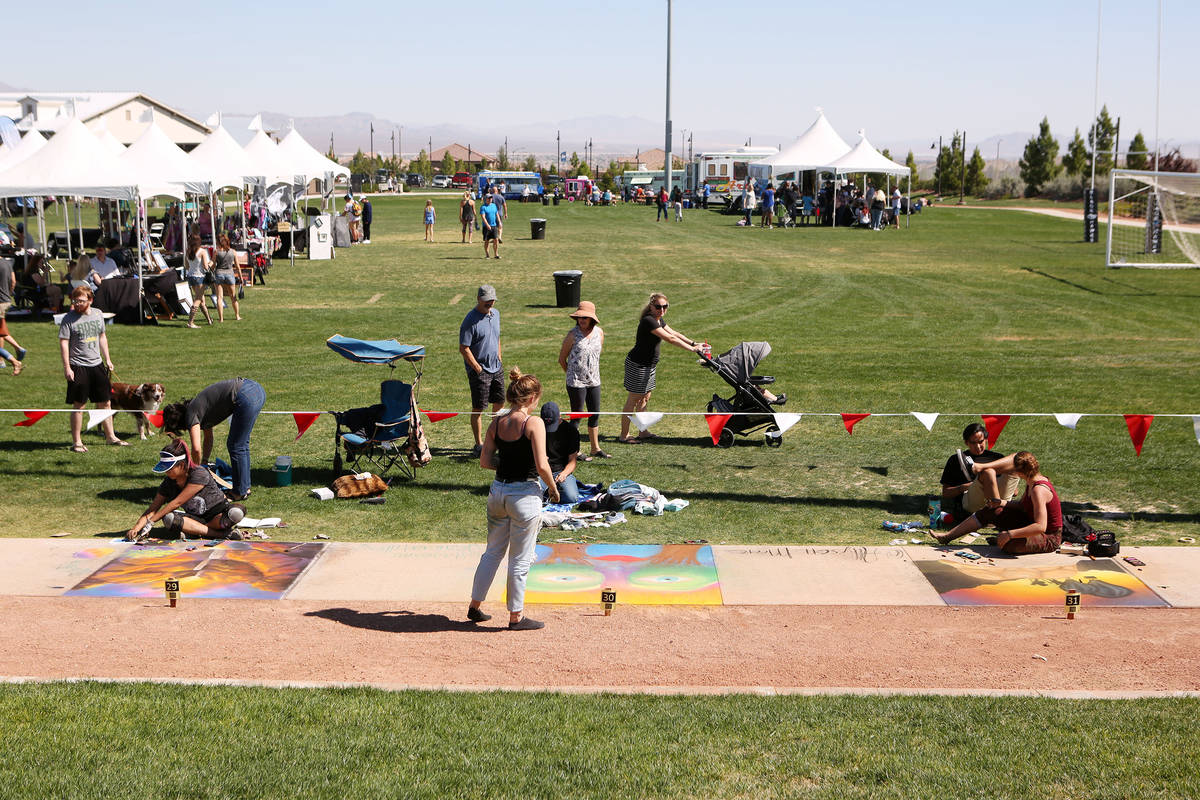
x=490, y=215
x=768, y=206
x=479, y=343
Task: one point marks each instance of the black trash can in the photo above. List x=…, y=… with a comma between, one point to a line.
x=555, y=199
x=537, y=228
x=545, y=200
x=567, y=287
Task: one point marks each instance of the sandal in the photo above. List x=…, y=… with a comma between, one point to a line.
x=17, y=367
x=78, y=448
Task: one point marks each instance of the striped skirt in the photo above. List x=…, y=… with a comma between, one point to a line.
x=639, y=378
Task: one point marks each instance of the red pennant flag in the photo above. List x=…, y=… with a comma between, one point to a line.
x=438, y=416
x=304, y=421
x=1139, y=426
x=154, y=418
x=850, y=420
x=31, y=419
x=716, y=423
x=578, y=414
x=994, y=423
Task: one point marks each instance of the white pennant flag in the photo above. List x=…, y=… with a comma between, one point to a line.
x=644, y=419
x=783, y=421
x=95, y=417
x=925, y=419
x=1196, y=427
x=1068, y=420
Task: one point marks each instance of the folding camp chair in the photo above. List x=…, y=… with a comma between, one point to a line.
x=376, y=436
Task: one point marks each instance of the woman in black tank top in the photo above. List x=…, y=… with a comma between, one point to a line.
x=515, y=447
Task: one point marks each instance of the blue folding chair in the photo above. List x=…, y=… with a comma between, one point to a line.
x=384, y=435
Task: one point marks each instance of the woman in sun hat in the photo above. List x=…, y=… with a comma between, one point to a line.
x=580, y=359
x=188, y=501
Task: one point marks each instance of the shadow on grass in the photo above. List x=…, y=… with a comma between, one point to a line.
x=894, y=504
x=402, y=621
x=1134, y=291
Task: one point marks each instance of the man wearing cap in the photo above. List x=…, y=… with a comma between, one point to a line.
x=479, y=343
x=562, y=451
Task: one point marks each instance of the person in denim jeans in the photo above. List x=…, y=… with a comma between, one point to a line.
x=238, y=400
x=515, y=447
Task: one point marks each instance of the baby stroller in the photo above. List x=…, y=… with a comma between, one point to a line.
x=751, y=410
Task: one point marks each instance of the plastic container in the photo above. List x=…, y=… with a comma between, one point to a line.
x=537, y=229
x=567, y=286
x=283, y=471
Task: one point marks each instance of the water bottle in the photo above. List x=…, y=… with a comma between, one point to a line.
x=935, y=514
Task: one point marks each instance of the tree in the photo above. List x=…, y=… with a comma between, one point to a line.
x=574, y=162
x=449, y=163
x=530, y=164
x=1135, y=157
x=502, y=163
x=1077, y=157
x=1039, y=164
x=421, y=165
x=1172, y=161
x=947, y=173
x=1100, y=138
x=911, y=163
x=977, y=179
x=583, y=169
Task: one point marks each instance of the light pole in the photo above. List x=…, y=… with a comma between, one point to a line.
x=667, y=137
x=937, y=164
x=962, y=176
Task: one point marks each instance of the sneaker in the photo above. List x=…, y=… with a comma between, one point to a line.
x=476, y=615
x=476, y=451
x=526, y=624
x=233, y=515
x=21, y=352
x=780, y=400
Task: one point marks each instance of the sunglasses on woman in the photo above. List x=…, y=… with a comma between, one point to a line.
x=662, y=306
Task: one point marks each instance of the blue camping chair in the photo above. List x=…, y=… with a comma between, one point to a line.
x=387, y=435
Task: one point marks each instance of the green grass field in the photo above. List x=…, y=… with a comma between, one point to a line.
x=145, y=741
x=966, y=312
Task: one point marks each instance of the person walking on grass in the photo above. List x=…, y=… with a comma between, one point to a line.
x=430, y=218
x=466, y=215
x=198, y=274
x=86, y=365
x=515, y=447
x=490, y=215
x=225, y=277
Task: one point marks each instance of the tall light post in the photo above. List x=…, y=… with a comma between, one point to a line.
x=937, y=163
x=962, y=177
x=667, y=136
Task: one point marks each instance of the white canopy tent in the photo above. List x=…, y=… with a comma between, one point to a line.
x=813, y=150
x=73, y=163
x=113, y=144
x=222, y=161
x=268, y=162
x=306, y=160
x=865, y=158
x=30, y=143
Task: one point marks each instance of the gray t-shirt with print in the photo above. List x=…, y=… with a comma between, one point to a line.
x=83, y=331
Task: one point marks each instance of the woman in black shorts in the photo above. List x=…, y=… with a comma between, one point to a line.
x=643, y=358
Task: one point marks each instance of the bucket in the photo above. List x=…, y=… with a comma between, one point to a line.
x=283, y=471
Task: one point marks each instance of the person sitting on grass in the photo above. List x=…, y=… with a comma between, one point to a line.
x=962, y=492
x=562, y=452
x=188, y=501
x=1031, y=525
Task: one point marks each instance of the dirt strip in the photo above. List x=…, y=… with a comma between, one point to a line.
x=637, y=648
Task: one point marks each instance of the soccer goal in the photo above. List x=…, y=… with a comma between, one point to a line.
x=1153, y=219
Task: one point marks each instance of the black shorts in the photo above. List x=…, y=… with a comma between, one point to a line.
x=489, y=233
x=486, y=387
x=91, y=384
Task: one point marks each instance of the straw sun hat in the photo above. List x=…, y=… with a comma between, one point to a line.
x=586, y=309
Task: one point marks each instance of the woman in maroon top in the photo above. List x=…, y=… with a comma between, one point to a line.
x=1031, y=525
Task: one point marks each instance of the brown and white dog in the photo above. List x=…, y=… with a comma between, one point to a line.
x=139, y=398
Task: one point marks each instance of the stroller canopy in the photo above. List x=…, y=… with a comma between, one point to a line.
x=742, y=359
x=375, y=351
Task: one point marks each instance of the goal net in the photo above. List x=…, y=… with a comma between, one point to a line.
x=1153, y=219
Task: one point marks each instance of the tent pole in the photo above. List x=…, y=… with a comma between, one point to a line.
x=141, y=227
x=67, y=228
x=78, y=223
x=41, y=218
x=908, y=205
x=212, y=214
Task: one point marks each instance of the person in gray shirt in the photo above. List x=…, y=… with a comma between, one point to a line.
x=86, y=365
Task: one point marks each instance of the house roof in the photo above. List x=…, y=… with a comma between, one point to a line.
x=460, y=153
x=54, y=107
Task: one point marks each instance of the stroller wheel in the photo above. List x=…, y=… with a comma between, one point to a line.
x=725, y=439
x=773, y=439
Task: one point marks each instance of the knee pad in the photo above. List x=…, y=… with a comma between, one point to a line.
x=173, y=522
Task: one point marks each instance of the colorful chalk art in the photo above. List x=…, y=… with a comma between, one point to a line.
x=255, y=570
x=648, y=574
x=1101, y=582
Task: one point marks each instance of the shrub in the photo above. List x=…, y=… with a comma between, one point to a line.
x=1064, y=188
x=1007, y=186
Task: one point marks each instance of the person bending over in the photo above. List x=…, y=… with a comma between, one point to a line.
x=188, y=501
x=1031, y=525
x=962, y=494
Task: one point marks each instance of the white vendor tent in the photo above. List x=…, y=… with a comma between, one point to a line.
x=71, y=163
x=865, y=158
x=813, y=149
x=159, y=167
x=113, y=144
x=268, y=163
x=225, y=164
x=30, y=143
x=306, y=160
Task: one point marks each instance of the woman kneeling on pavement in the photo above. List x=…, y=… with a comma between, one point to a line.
x=189, y=502
x=1032, y=524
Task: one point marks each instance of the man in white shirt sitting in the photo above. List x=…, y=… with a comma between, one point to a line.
x=102, y=266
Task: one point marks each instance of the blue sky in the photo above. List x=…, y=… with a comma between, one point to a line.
x=905, y=70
